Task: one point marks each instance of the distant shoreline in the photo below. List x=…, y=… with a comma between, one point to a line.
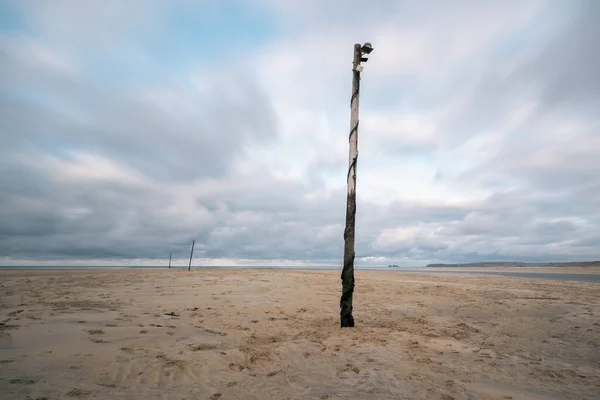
x=441, y=266
x=510, y=264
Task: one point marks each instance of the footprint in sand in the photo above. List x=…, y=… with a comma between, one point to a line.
x=93, y=333
x=78, y=393
x=170, y=362
x=234, y=366
x=20, y=381
x=203, y=347
x=348, y=368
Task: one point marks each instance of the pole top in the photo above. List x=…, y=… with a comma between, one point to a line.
x=367, y=48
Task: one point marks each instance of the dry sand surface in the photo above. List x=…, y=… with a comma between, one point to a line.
x=264, y=334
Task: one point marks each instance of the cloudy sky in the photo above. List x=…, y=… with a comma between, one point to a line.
x=130, y=127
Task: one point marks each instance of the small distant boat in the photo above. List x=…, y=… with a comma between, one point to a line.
x=393, y=266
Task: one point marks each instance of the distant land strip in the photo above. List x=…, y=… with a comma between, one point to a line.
x=513, y=264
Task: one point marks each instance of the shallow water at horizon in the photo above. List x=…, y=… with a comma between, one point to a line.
x=512, y=274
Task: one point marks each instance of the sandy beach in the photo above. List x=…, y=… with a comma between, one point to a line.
x=268, y=334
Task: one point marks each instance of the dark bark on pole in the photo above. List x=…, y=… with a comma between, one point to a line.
x=170, y=254
x=191, y=254
x=346, y=318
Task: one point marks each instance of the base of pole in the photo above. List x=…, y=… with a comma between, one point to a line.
x=347, y=321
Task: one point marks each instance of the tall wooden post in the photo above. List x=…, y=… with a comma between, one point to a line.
x=346, y=318
x=191, y=254
x=170, y=254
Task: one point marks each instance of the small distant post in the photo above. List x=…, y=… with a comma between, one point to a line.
x=170, y=254
x=191, y=254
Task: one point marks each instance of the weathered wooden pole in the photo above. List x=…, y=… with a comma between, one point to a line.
x=346, y=318
x=191, y=254
x=170, y=254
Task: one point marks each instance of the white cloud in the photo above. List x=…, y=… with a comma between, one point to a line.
x=89, y=168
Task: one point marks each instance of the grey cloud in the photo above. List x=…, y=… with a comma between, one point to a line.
x=188, y=188
x=79, y=115
x=554, y=178
x=129, y=225
x=514, y=225
x=566, y=71
x=57, y=114
x=557, y=70
x=561, y=76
